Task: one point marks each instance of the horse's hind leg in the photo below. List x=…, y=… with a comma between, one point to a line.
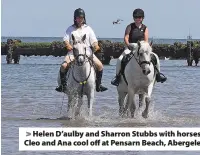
x=141, y=100
x=132, y=106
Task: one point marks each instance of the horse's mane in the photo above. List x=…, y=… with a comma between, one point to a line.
x=143, y=44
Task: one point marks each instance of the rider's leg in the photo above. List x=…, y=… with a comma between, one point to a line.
x=63, y=71
x=99, y=73
x=120, y=68
x=159, y=76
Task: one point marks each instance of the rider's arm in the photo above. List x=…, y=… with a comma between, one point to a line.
x=93, y=40
x=96, y=46
x=146, y=35
x=68, y=46
x=66, y=39
x=126, y=35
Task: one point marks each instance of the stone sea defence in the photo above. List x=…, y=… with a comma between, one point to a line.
x=109, y=50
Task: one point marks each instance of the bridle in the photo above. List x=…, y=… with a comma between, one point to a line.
x=86, y=59
x=138, y=59
x=76, y=56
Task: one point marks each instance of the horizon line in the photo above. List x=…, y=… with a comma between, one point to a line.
x=97, y=37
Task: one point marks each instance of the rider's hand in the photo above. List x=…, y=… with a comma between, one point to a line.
x=69, y=47
x=96, y=47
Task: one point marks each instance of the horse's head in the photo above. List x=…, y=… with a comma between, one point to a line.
x=79, y=50
x=143, y=56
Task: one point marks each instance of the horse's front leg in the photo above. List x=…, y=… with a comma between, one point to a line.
x=121, y=101
x=69, y=106
x=131, y=101
x=72, y=105
x=78, y=107
x=145, y=113
x=141, y=103
x=90, y=98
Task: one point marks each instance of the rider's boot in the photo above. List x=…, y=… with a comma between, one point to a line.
x=116, y=80
x=99, y=87
x=159, y=76
x=62, y=87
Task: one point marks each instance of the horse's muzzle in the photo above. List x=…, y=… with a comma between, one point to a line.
x=80, y=59
x=145, y=62
x=146, y=72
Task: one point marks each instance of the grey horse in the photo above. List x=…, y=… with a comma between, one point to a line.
x=140, y=76
x=80, y=79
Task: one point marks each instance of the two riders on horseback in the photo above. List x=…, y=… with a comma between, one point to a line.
x=134, y=32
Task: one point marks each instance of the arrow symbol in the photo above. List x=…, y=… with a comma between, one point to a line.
x=28, y=134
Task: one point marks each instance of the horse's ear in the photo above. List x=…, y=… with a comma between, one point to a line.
x=151, y=43
x=73, y=38
x=139, y=44
x=83, y=38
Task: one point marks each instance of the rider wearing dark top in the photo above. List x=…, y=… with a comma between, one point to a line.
x=135, y=32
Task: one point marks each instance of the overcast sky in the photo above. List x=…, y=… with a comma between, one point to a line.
x=50, y=18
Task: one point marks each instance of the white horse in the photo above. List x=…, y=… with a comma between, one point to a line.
x=80, y=79
x=140, y=77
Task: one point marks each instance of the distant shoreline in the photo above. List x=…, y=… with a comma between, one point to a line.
x=120, y=40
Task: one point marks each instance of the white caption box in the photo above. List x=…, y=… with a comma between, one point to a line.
x=109, y=139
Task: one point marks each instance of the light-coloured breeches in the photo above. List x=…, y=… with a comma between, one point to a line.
x=70, y=57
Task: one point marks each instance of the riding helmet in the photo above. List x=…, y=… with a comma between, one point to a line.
x=138, y=13
x=79, y=13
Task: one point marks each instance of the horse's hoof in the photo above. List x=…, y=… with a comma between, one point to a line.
x=120, y=114
x=65, y=118
x=145, y=115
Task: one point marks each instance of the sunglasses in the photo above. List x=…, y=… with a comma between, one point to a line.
x=138, y=17
x=79, y=17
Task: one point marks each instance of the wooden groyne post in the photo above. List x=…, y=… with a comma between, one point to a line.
x=189, y=53
x=9, y=49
